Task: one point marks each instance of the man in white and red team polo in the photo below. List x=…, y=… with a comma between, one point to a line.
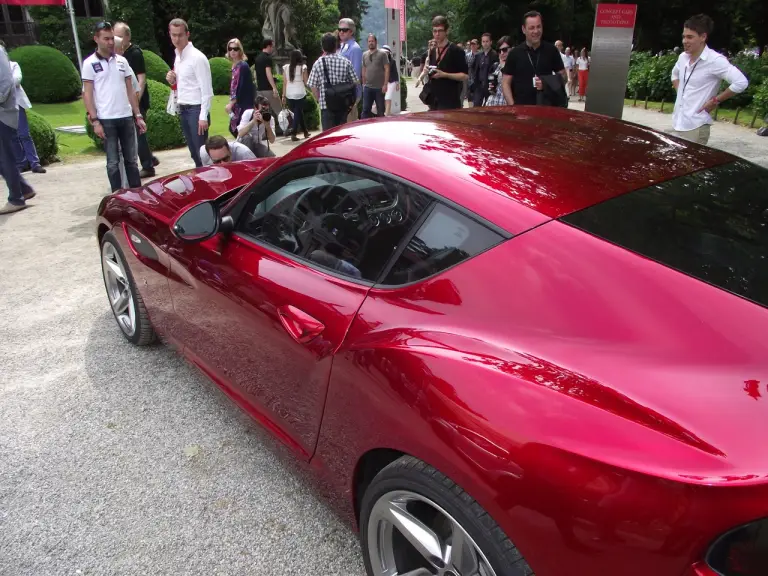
x=112, y=105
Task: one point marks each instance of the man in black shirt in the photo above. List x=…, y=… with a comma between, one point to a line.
x=528, y=63
x=265, y=81
x=135, y=58
x=482, y=67
x=447, y=78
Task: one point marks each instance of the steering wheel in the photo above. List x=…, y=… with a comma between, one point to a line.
x=309, y=219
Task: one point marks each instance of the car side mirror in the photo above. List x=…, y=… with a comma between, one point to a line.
x=198, y=223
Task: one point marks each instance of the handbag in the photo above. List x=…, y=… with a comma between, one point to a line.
x=172, y=107
x=339, y=96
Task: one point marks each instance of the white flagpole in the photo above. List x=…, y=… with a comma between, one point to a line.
x=71, y=11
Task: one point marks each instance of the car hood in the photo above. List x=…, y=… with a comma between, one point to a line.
x=165, y=197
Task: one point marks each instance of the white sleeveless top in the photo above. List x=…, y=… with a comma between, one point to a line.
x=296, y=89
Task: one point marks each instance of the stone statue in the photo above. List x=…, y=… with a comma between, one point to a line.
x=278, y=25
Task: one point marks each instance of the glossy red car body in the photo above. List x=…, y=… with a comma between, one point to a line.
x=608, y=412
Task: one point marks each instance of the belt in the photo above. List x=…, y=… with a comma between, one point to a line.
x=187, y=106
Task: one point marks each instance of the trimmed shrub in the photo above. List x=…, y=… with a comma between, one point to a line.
x=760, y=99
x=221, y=74
x=637, y=79
x=43, y=136
x=49, y=76
x=756, y=70
x=156, y=67
x=163, y=130
x=55, y=30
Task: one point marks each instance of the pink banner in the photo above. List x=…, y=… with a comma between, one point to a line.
x=33, y=2
x=402, y=20
x=391, y=4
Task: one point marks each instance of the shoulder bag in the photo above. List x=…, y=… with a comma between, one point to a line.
x=427, y=96
x=338, y=96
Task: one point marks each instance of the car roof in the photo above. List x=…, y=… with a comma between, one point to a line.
x=552, y=161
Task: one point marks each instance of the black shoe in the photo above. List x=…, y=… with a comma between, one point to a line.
x=147, y=173
x=38, y=169
x=24, y=169
x=29, y=195
x=155, y=161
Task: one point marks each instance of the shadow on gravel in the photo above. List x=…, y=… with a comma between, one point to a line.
x=156, y=386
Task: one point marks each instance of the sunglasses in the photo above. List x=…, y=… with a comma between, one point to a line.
x=233, y=48
x=343, y=29
x=102, y=26
x=223, y=160
x=505, y=49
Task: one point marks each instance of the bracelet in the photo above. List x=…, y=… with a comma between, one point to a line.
x=716, y=101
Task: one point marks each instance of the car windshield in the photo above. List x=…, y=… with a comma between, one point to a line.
x=712, y=225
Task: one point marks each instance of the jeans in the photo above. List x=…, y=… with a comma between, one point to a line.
x=17, y=185
x=25, y=149
x=121, y=136
x=189, y=116
x=297, y=107
x=369, y=96
x=145, y=154
x=332, y=118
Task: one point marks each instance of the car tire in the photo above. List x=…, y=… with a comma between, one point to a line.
x=133, y=321
x=409, y=489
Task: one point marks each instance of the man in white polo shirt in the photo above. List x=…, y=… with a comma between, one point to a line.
x=112, y=107
x=697, y=77
x=191, y=78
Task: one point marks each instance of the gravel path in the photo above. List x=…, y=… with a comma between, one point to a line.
x=117, y=460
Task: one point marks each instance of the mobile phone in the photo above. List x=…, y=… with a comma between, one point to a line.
x=534, y=81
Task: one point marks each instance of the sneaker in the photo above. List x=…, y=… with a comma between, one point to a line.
x=10, y=208
x=155, y=161
x=37, y=169
x=29, y=195
x=147, y=173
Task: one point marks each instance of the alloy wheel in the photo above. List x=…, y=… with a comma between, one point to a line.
x=410, y=535
x=118, y=289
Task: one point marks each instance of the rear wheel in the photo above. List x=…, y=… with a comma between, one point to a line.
x=415, y=521
x=124, y=299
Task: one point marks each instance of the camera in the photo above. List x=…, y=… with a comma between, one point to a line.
x=431, y=70
x=266, y=115
x=492, y=84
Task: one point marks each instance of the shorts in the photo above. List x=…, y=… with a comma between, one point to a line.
x=391, y=89
x=698, y=135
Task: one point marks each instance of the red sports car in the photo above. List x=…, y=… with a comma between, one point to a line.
x=505, y=342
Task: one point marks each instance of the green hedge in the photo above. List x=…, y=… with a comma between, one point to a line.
x=311, y=107
x=156, y=67
x=43, y=136
x=403, y=94
x=221, y=74
x=163, y=130
x=55, y=29
x=49, y=76
x=760, y=100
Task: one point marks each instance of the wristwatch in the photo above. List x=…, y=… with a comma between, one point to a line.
x=138, y=116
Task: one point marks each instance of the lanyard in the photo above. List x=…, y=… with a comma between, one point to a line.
x=685, y=82
x=442, y=54
x=538, y=57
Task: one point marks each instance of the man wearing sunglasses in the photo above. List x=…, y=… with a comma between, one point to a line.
x=112, y=106
x=351, y=50
x=217, y=150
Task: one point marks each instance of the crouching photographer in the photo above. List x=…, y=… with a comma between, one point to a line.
x=257, y=128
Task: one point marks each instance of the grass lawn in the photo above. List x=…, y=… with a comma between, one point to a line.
x=723, y=114
x=80, y=145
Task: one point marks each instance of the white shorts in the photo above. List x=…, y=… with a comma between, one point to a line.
x=390, y=91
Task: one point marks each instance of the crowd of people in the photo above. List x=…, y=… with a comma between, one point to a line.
x=535, y=72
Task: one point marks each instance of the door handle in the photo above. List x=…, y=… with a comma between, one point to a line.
x=301, y=326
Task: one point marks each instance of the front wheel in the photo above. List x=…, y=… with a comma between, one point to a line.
x=414, y=521
x=124, y=299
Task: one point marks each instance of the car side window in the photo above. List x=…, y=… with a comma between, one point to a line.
x=446, y=238
x=336, y=216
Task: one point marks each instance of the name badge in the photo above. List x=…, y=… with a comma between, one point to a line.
x=97, y=67
x=121, y=66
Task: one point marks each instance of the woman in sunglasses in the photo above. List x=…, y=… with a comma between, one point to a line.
x=242, y=91
x=495, y=93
